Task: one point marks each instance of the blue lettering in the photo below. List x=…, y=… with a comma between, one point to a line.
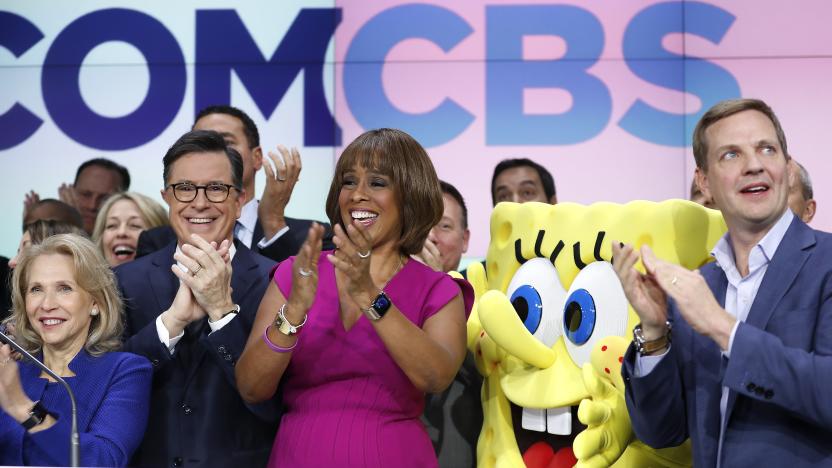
x=507, y=75
x=649, y=61
x=62, y=93
x=17, y=34
x=363, y=86
x=224, y=44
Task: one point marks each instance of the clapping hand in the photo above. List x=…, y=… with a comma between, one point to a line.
x=208, y=276
x=280, y=182
x=352, y=258
x=305, y=274
x=430, y=255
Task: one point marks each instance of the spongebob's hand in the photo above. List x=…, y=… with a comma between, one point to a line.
x=476, y=276
x=609, y=430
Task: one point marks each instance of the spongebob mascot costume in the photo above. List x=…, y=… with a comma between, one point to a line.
x=551, y=324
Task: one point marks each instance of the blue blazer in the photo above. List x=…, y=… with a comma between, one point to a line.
x=779, y=409
x=197, y=416
x=113, y=396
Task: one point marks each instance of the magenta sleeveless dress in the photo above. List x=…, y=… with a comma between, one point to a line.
x=347, y=402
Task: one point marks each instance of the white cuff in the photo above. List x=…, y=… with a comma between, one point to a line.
x=263, y=243
x=221, y=322
x=164, y=335
x=646, y=364
x=727, y=353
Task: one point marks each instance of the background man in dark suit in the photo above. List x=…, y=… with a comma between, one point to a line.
x=190, y=307
x=748, y=372
x=262, y=226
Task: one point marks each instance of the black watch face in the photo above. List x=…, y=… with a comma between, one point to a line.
x=382, y=303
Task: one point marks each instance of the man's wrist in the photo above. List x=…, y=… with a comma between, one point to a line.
x=272, y=223
x=173, y=324
x=653, y=332
x=217, y=313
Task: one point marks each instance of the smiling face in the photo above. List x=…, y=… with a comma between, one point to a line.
x=231, y=129
x=450, y=237
x=212, y=221
x=746, y=175
x=122, y=227
x=368, y=197
x=56, y=306
x=551, y=305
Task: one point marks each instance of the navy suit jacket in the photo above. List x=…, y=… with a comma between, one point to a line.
x=113, y=396
x=284, y=247
x=197, y=416
x=779, y=374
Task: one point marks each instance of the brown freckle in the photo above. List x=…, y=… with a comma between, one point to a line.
x=482, y=334
x=607, y=370
x=620, y=359
x=604, y=348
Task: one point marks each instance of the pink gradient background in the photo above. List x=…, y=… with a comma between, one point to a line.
x=779, y=52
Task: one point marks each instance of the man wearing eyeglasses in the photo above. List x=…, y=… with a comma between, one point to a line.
x=189, y=309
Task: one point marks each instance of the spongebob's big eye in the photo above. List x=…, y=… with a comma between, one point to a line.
x=537, y=296
x=579, y=316
x=595, y=308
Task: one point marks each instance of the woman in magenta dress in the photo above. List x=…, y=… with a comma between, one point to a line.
x=358, y=335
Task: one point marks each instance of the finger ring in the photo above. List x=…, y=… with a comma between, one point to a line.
x=198, y=269
x=280, y=179
x=304, y=272
x=674, y=280
x=364, y=255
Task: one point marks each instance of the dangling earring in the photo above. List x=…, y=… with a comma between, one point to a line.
x=94, y=311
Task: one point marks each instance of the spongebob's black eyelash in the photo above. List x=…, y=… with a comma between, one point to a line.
x=576, y=250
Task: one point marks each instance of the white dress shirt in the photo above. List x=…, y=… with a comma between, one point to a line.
x=244, y=229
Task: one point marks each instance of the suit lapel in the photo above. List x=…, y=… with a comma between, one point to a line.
x=163, y=282
x=790, y=257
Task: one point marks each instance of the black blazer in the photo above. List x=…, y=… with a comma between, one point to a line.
x=197, y=417
x=284, y=247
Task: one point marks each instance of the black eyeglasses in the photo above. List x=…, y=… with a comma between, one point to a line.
x=215, y=193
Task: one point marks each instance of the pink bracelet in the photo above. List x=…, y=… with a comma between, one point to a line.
x=274, y=347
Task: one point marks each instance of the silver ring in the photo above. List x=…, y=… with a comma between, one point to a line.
x=279, y=179
x=365, y=255
x=674, y=281
x=198, y=269
x=304, y=272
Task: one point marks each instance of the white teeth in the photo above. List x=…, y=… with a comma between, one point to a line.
x=123, y=249
x=559, y=421
x=199, y=220
x=553, y=420
x=363, y=214
x=756, y=189
x=52, y=321
x=534, y=419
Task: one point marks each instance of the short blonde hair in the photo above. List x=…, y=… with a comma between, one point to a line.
x=92, y=274
x=153, y=213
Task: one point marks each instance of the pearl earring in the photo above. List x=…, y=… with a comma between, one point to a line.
x=94, y=311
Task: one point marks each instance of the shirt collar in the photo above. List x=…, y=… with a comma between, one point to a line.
x=761, y=254
x=248, y=215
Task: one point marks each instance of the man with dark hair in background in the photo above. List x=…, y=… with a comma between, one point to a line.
x=521, y=180
x=263, y=225
x=51, y=209
x=189, y=308
x=448, y=240
x=95, y=180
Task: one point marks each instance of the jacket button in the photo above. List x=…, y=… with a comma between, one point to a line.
x=759, y=391
x=769, y=393
x=228, y=357
x=221, y=349
x=177, y=462
x=187, y=409
x=750, y=387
